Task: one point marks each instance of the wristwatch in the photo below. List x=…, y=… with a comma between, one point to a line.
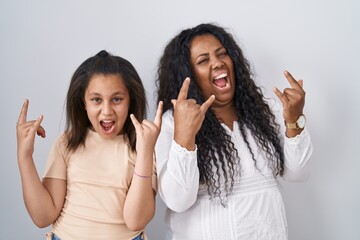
x=299, y=124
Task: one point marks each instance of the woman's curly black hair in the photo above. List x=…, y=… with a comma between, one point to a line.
x=217, y=156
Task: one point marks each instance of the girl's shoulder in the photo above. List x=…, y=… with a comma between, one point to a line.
x=61, y=145
x=61, y=139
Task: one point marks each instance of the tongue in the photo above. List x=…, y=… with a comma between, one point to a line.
x=107, y=126
x=221, y=82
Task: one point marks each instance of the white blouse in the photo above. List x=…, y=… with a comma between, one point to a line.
x=253, y=210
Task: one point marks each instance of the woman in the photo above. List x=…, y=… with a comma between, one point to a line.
x=221, y=146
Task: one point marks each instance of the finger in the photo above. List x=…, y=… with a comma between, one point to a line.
x=301, y=83
x=136, y=123
x=173, y=101
x=291, y=80
x=280, y=95
x=41, y=132
x=290, y=92
x=184, y=89
x=23, y=113
x=28, y=124
x=146, y=125
x=36, y=126
x=205, y=106
x=157, y=120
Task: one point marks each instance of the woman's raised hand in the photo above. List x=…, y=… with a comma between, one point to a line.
x=188, y=116
x=292, y=98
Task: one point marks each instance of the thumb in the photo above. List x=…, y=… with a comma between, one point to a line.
x=173, y=101
x=301, y=82
x=158, y=115
x=135, y=122
x=37, y=128
x=280, y=95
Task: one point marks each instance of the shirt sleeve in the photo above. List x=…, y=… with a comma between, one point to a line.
x=297, y=150
x=177, y=170
x=56, y=166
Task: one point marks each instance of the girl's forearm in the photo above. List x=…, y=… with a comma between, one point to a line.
x=139, y=205
x=37, y=199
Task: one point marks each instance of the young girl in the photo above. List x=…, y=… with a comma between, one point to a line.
x=99, y=181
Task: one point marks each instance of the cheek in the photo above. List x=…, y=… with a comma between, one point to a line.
x=204, y=85
x=230, y=65
x=201, y=73
x=90, y=116
x=91, y=112
x=122, y=112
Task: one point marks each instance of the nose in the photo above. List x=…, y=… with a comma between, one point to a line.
x=107, y=108
x=217, y=63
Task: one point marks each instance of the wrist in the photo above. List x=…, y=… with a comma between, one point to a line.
x=290, y=133
x=296, y=125
x=144, y=176
x=189, y=145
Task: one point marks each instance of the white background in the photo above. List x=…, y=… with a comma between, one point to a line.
x=43, y=42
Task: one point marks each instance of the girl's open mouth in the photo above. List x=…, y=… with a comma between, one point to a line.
x=107, y=125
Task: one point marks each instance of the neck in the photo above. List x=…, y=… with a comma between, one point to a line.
x=226, y=115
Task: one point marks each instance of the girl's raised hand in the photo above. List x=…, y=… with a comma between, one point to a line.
x=26, y=130
x=147, y=132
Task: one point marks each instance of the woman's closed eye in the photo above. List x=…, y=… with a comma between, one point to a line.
x=202, y=60
x=223, y=54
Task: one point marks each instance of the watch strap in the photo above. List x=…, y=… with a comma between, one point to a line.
x=292, y=125
x=295, y=125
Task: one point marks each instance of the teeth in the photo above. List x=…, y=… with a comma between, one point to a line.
x=107, y=121
x=221, y=76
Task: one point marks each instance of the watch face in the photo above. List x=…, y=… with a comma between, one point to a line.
x=301, y=121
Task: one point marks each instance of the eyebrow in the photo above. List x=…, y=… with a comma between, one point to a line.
x=207, y=54
x=113, y=94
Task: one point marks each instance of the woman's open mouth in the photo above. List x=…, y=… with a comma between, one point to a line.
x=221, y=80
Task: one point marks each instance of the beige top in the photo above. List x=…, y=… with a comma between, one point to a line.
x=98, y=178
